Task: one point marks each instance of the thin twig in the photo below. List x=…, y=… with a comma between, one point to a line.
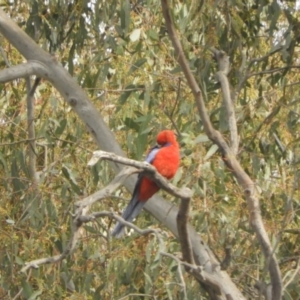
x=271, y=71
x=199, y=273
x=295, y=273
x=21, y=290
x=183, y=285
x=88, y=218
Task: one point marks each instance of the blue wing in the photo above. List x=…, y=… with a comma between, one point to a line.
x=152, y=153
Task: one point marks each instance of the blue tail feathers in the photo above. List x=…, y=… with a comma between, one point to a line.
x=131, y=211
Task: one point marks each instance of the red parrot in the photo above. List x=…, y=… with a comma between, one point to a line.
x=165, y=158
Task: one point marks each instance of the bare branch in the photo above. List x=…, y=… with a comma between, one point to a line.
x=271, y=71
x=106, y=192
x=229, y=159
x=291, y=279
x=260, y=59
x=184, y=238
x=80, y=217
x=22, y=71
x=78, y=220
x=223, y=64
x=93, y=216
x=183, y=285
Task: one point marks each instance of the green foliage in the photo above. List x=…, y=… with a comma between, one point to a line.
x=121, y=55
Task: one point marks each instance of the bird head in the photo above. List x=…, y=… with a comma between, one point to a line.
x=165, y=137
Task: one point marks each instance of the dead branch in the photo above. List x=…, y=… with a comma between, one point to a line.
x=229, y=159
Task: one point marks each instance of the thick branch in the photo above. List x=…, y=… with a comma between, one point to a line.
x=183, y=234
x=230, y=160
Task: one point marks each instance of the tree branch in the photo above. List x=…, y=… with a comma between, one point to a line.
x=292, y=277
x=223, y=64
x=271, y=71
x=22, y=71
x=183, y=234
x=198, y=273
x=179, y=271
x=229, y=159
x=31, y=134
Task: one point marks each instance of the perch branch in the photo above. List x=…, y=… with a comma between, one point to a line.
x=148, y=169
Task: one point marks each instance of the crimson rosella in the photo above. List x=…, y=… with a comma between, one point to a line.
x=165, y=158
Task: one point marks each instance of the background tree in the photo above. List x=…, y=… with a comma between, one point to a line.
x=121, y=55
